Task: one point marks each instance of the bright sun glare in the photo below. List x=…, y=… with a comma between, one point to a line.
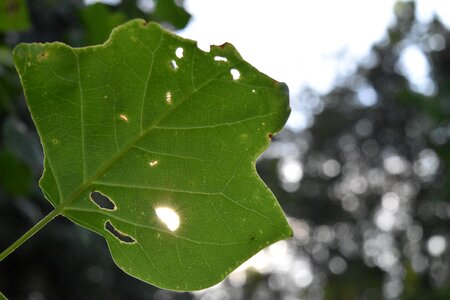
x=169, y=217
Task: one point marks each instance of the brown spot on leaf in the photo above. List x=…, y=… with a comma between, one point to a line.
x=12, y=7
x=223, y=45
x=43, y=55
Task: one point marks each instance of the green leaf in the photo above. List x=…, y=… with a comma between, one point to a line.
x=147, y=126
x=13, y=15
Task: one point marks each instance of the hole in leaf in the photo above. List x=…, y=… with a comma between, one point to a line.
x=220, y=58
x=235, y=73
x=102, y=201
x=124, y=238
x=179, y=52
x=169, y=98
x=153, y=163
x=169, y=217
x=174, y=64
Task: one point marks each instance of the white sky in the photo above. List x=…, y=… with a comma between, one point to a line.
x=295, y=41
x=304, y=43
x=298, y=41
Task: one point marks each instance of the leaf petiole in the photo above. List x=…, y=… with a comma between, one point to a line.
x=29, y=234
x=3, y=297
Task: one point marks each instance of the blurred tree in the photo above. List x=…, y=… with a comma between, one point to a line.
x=375, y=172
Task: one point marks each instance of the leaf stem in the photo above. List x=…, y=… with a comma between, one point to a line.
x=3, y=297
x=29, y=234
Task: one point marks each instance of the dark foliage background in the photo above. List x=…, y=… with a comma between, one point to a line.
x=366, y=186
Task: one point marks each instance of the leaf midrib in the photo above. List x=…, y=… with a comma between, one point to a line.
x=107, y=165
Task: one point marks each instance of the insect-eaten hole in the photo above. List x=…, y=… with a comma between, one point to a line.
x=123, y=237
x=220, y=58
x=174, y=64
x=235, y=74
x=123, y=117
x=169, y=97
x=179, y=52
x=102, y=201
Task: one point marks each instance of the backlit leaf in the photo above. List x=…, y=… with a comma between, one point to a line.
x=151, y=143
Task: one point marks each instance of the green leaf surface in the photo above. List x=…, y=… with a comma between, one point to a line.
x=13, y=15
x=162, y=129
